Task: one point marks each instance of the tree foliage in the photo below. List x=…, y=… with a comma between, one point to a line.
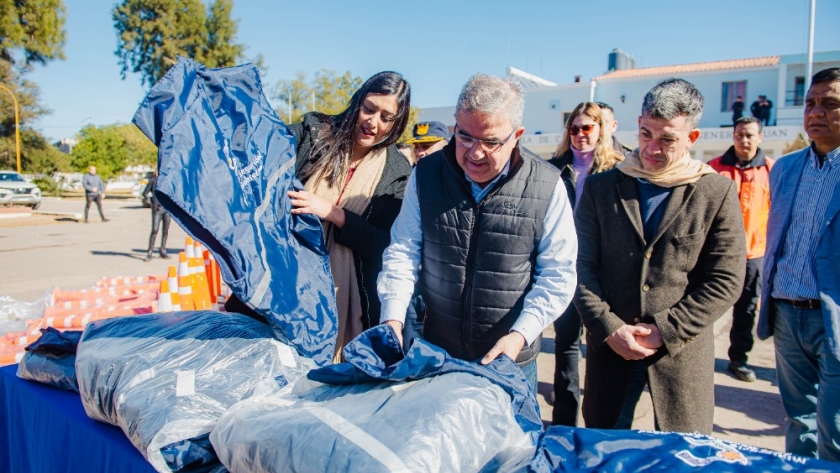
x=326, y=92
x=31, y=33
x=34, y=28
x=153, y=33
x=36, y=154
x=111, y=149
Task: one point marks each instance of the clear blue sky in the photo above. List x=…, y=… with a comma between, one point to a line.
x=437, y=44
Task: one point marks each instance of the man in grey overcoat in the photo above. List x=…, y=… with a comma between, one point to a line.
x=661, y=257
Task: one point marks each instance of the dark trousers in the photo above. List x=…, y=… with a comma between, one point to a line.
x=743, y=313
x=93, y=198
x=159, y=216
x=567, y=330
x=638, y=381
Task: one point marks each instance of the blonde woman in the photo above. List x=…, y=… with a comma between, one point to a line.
x=586, y=149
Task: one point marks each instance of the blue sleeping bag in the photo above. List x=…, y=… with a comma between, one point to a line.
x=226, y=162
x=385, y=411
x=52, y=359
x=165, y=379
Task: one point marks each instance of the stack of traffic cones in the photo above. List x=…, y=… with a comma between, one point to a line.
x=196, y=284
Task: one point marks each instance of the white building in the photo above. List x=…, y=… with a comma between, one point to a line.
x=780, y=78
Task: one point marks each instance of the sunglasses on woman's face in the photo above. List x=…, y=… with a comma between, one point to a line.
x=585, y=129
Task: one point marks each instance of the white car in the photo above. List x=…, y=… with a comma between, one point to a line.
x=14, y=189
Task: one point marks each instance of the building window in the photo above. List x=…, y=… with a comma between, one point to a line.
x=566, y=116
x=799, y=91
x=729, y=91
x=796, y=97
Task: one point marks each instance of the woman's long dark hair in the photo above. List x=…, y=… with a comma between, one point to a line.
x=336, y=141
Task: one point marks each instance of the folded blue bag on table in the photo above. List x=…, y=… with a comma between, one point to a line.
x=165, y=379
x=382, y=411
x=52, y=359
x=226, y=162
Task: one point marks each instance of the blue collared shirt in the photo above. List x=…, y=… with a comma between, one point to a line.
x=555, y=277
x=478, y=193
x=796, y=277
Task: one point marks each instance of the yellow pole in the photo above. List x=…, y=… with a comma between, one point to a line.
x=17, y=125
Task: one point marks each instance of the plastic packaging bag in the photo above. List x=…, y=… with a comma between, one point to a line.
x=14, y=313
x=52, y=359
x=424, y=412
x=166, y=378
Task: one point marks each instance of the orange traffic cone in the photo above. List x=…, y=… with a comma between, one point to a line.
x=212, y=270
x=176, y=300
x=185, y=286
x=164, y=298
x=201, y=291
x=172, y=277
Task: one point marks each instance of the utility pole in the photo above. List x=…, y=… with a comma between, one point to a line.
x=17, y=125
x=810, y=69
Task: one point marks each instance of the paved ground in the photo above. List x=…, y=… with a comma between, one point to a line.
x=44, y=251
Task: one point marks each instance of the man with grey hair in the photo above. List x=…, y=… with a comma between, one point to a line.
x=662, y=252
x=491, y=224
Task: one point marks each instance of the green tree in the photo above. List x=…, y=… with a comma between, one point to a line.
x=31, y=33
x=325, y=93
x=221, y=50
x=153, y=33
x=111, y=149
x=33, y=27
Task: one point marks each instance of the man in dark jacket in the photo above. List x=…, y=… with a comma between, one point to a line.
x=661, y=258
x=492, y=226
x=737, y=109
x=755, y=108
x=94, y=192
x=159, y=216
x=765, y=110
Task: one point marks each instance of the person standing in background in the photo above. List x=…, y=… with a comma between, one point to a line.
x=737, y=109
x=586, y=149
x=746, y=164
x=94, y=192
x=428, y=138
x=160, y=219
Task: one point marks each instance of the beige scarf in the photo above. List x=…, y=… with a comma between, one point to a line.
x=355, y=198
x=685, y=170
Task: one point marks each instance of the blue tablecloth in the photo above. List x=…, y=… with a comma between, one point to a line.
x=44, y=429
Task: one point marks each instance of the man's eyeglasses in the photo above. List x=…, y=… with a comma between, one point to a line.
x=584, y=129
x=487, y=146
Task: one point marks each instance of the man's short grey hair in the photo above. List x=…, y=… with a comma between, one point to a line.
x=490, y=94
x=672, y=98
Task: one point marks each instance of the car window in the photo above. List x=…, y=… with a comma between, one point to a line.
x=11, y=176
